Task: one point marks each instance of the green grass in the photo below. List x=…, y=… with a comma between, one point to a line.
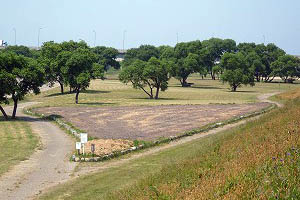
x=258, y=160
x=113, y=93
x=17, y=143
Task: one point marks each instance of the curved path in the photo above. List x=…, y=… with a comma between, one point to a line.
x=48, y=166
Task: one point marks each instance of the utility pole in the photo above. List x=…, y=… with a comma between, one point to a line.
x=39, y=36
x=264, y=39
x=177, y=37
x=95, y=37
x=15, y=30
x=124, y=34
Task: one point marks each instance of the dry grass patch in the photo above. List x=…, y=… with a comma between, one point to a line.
x=17, y=143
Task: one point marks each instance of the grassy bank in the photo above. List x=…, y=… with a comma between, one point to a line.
x=258, y=160
x=112, y=92
x=17, y=143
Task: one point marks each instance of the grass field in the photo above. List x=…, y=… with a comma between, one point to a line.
x=259, y=160
x=17, y=143
x=112, y=92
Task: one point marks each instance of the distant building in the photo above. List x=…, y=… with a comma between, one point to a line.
x=121, y=55
x=3, y=43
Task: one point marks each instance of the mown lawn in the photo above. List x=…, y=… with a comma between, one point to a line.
x=259, y=160
x=114, y=93
x=17, y=143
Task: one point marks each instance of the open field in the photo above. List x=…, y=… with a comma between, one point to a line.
x=114, y=93
x=147, y=122
x=258, y=160
x=17, y=143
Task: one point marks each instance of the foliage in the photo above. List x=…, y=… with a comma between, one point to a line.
x=287, y=68
x=80, y=69
x=144, y=53
x=152, y=74
x=106, y=56
x=236, y=72
x=21, y=76
x=19, y=50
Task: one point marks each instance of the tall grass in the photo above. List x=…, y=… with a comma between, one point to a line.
x=261, y=160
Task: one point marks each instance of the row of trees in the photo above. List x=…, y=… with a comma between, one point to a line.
x=72, y=64
x=148, y=68
x=239, y=64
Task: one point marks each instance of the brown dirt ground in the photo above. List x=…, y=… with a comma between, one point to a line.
x=147, y=122
x=107, y=146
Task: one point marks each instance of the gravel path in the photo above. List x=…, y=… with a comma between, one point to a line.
x=48, y=166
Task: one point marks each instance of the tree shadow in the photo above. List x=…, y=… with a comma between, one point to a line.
x=200, y=87
x=94, y=92
x=82, y=92
x=96, y=104
x=147, y=98
x=242, y=91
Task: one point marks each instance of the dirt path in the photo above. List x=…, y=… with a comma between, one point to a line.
x=46, y=167
x=96, y=168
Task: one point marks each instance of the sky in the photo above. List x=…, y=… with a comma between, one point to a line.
x=155, y=22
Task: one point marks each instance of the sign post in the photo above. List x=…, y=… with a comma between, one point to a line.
x=83, y=140
x=93, y=149
x=78, y=147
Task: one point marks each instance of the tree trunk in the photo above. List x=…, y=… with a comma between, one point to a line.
x=4, y=113
x=15, y=109
x=183, y=82
x=157, y=91
x=77, y=94
x=70, y=90
x=234, y=88
x=61, y=87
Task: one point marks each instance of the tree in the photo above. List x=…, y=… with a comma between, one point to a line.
x=80, y=68
x=20, y=75
x=213, y=49
x=52, y=64
x=236, y=71
x=144, y=53
x=254, y=62
x=184, y=67
x=152, y=74
x=19, y=50
x=107, y=57
x=157, y=73
x=6, y=80
x=187, y=60
x=217, y=71
x=287, y=67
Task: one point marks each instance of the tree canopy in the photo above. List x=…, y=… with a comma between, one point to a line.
x=19, y=75
x=236, y=72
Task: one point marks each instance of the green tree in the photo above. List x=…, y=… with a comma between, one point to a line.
x=152, y=74
x=52, y=64
x=20, y=75
x=80, y=68
x=236, y=71
x=19, y=50
x=144, y=53
x=187, y=61
x=287, y=67
x=106, y=56
x=217, y=71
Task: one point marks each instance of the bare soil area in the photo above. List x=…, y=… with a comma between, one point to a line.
x=107, y=146
x=147, y=122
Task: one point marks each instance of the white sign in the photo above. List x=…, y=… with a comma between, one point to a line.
x=83, y=137
x=78, y=145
